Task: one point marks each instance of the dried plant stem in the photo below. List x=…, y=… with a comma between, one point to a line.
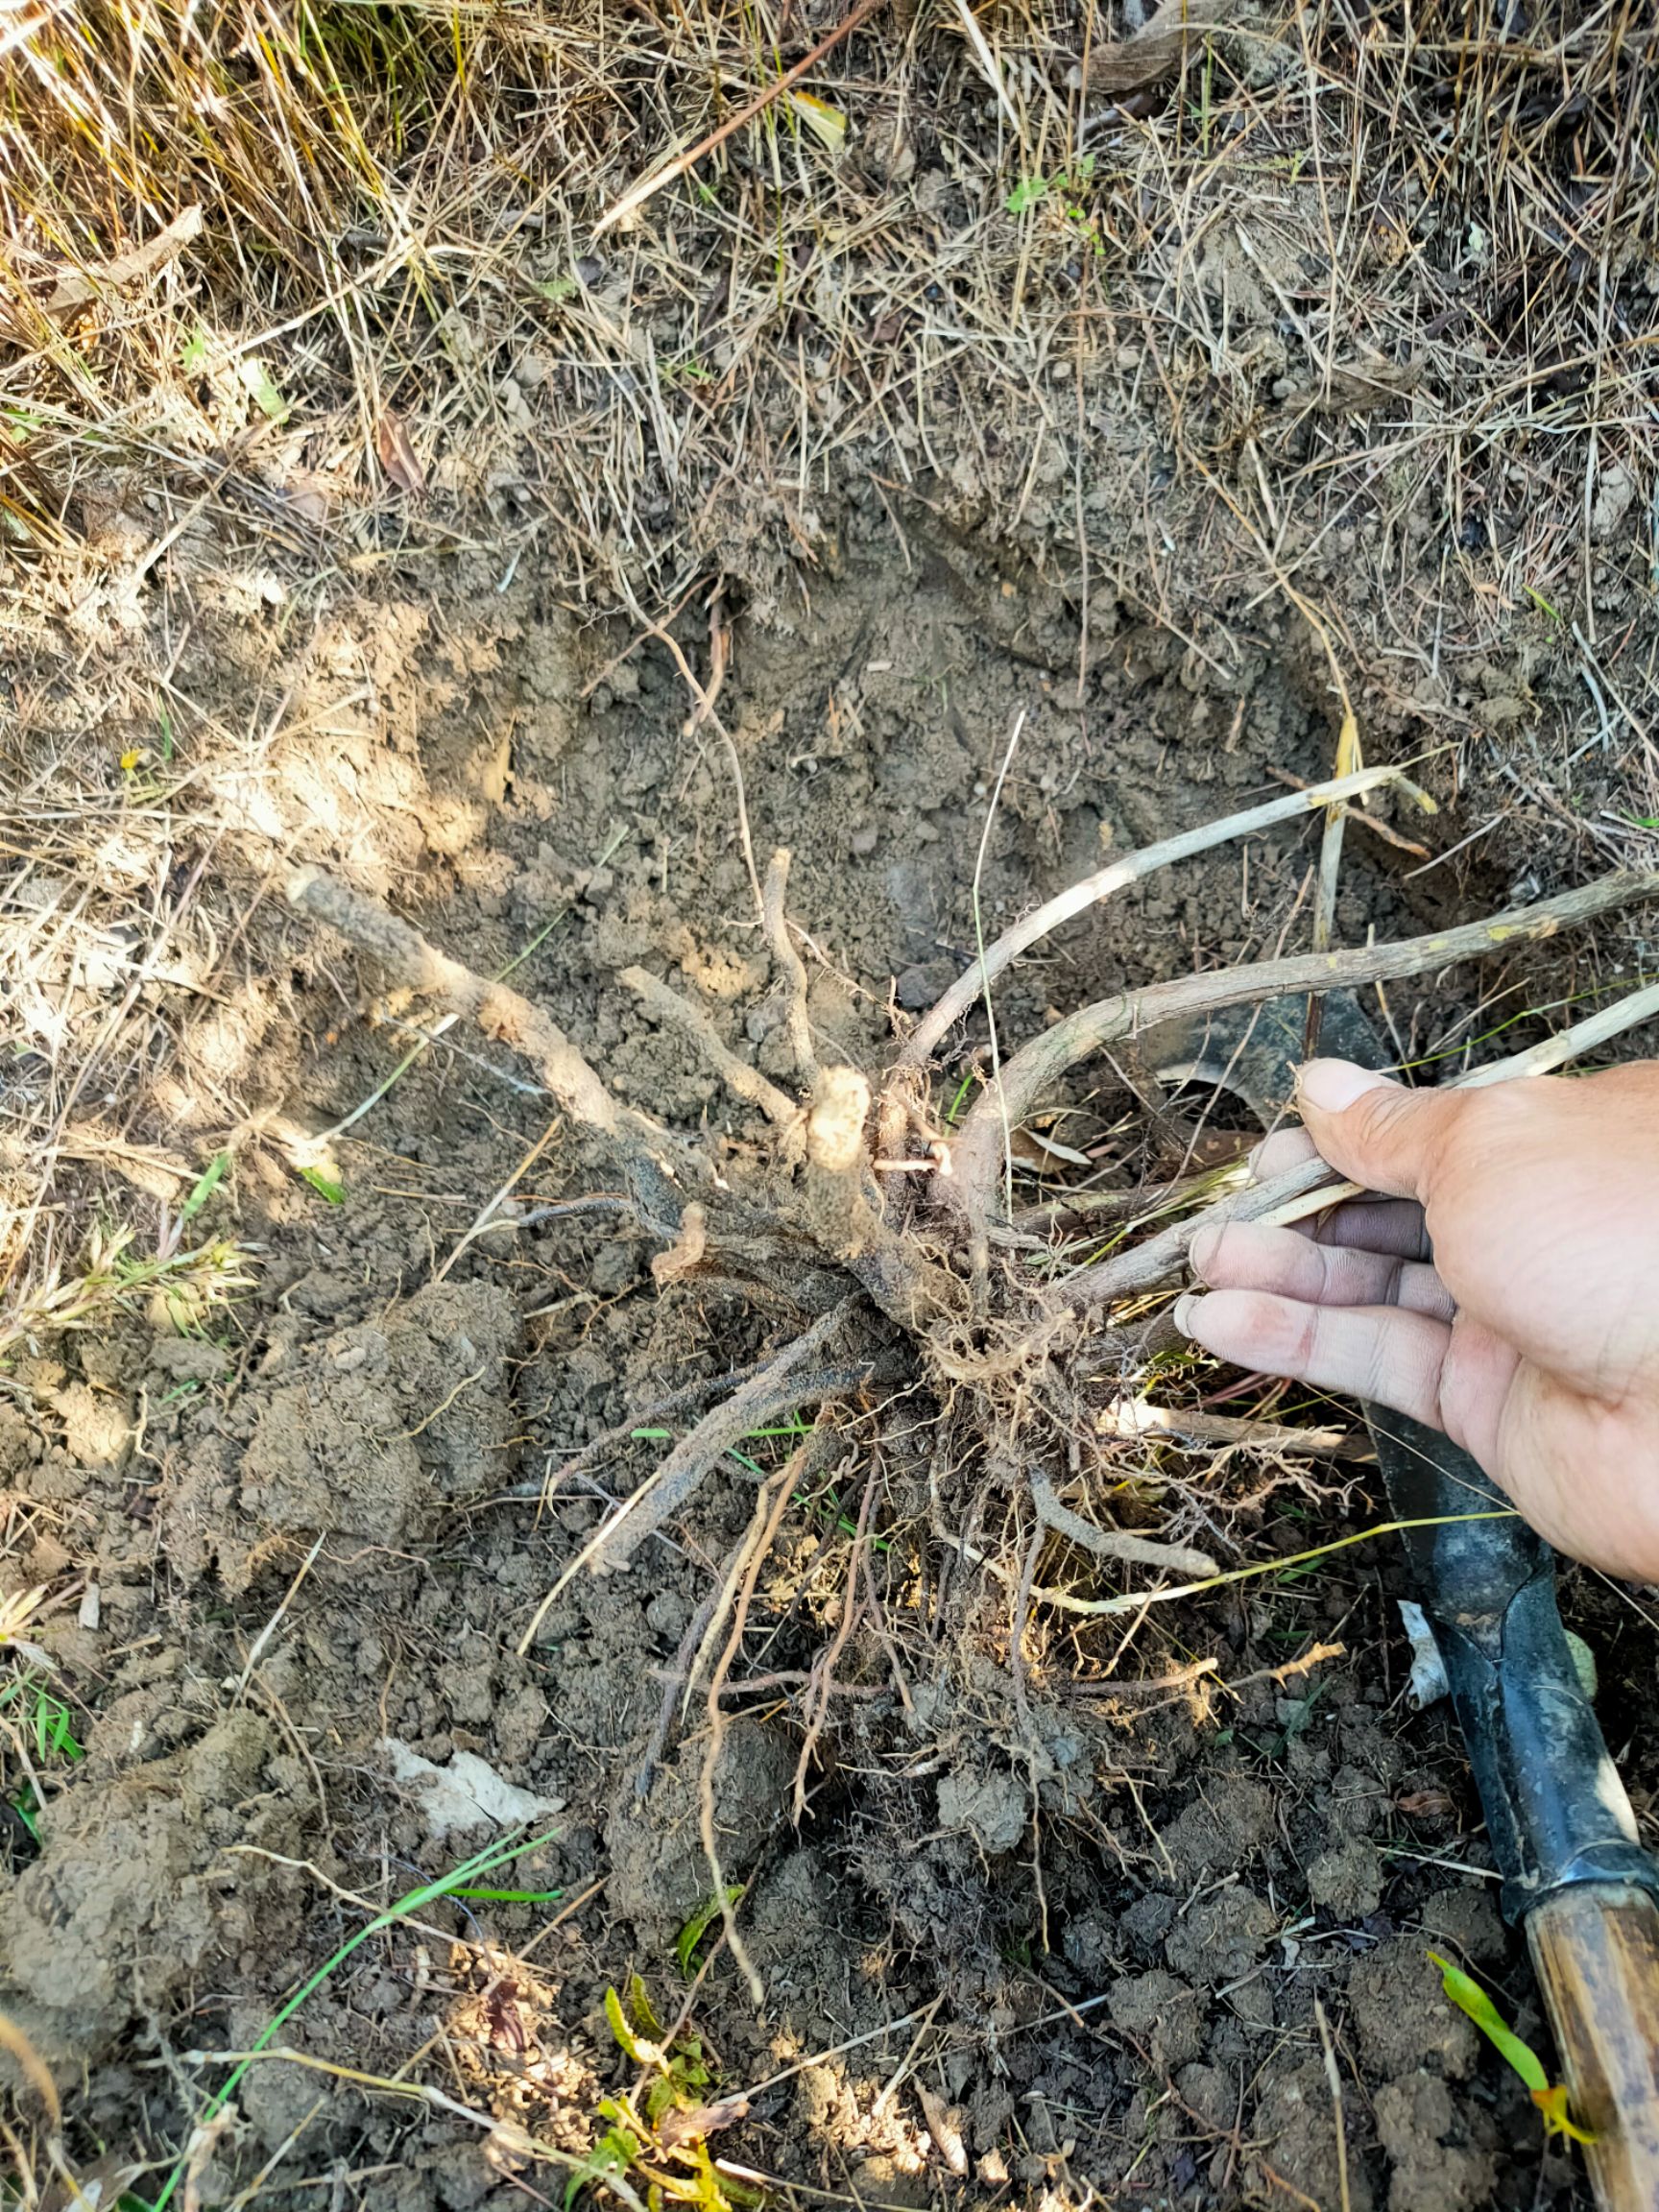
x=1135, y=1418
x=648, y=187
x=977, y=1152
x=1116, y=876
x=1312, y=1187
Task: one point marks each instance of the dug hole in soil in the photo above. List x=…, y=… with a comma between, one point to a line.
x=1060, y=1934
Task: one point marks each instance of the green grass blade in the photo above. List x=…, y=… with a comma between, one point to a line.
x=483, y=1861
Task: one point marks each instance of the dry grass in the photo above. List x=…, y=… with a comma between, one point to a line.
x=1378, y=280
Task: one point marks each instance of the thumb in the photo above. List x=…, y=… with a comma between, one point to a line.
x=1372, y=1129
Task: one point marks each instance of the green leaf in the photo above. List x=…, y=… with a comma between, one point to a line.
x=1469, y=1997
x=324, y=1186
x=1027, y=194
x=508, y=1896
x=629, y=2040
x=206, y=1183
x=697, y=1927
x=257, y=378
x=650, y=1436
x=1552, y=2102
x=641, y=2009
x=194, y=351
x=554, y=288
x=613, y=2154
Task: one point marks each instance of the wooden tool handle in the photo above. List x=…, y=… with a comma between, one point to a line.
x=1596, y=1952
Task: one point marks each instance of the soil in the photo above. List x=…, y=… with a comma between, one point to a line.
x=1022, y=1931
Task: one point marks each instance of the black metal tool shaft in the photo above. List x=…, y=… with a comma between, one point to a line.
x=1557, y=1812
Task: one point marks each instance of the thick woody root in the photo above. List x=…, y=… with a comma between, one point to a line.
x=977, y=1156
x=651, y=1157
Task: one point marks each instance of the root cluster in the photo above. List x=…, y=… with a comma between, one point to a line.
x=876, y=1226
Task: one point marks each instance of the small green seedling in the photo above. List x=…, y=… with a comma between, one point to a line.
x=658, y=2133
x=1551, y=2101
x=45, y=1717
x=324, y=1186
x=698, y=1926
x=203, y=1187
x=46, y=1720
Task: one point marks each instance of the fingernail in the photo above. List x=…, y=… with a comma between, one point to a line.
x=1331, y=1086
x=1202, y=1249
x=1185, y=1307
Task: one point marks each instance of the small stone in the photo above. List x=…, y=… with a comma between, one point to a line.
x=864, y=840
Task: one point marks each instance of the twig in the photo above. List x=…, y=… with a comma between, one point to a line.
x=1157, y=1685
x=505, y=1015
x=1334, y=2079
x=817, y=1699
x=770, y=1506
x=674, y=1681
x=637, y=194
x=1113, y=1543
x=1372, y=821
x=1116, y=876
x=677, y=1402
x=978, y=1257
x=705, y=714
x=486, y=1212
x=1132, y=1601
x=776, y=1389
x=790, y=963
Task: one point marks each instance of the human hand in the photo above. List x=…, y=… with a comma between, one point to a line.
x=1504, y=1287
